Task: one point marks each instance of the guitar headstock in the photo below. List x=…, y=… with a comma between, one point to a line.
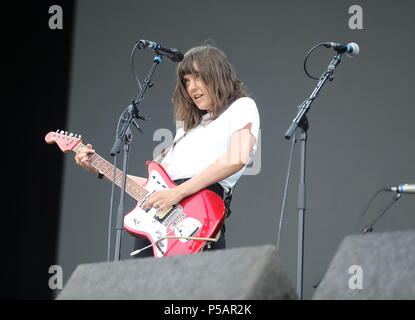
x=66, y=142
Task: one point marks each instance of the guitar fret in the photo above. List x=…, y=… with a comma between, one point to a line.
x=131, y=187
x=107, y=168
x=98, y=164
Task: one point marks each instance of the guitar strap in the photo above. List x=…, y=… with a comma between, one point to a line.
x=164, y=152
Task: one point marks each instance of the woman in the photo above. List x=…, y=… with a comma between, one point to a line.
x=218, y=132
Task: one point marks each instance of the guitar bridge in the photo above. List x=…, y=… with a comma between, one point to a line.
x=187, y=228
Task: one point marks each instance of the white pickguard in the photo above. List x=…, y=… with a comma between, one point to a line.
x=143, y=221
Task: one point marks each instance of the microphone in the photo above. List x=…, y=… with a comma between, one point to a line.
x=403, y=188
x=352, y=49
x=172, y=53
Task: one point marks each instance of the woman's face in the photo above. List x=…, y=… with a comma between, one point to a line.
x=197, y=91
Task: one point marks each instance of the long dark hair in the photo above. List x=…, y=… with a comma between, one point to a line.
x=219, y=76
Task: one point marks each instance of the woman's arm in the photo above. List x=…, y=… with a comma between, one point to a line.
x=235, y=159
x=241, y=146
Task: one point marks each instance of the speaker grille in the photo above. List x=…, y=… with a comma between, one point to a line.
x=231, y=274
x=386, y=262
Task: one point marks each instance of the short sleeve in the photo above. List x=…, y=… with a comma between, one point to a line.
x=242, y=112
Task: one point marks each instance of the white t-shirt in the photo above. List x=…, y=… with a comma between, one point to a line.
x=207, y=142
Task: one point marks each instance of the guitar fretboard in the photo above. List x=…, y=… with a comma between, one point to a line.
x=131, y=187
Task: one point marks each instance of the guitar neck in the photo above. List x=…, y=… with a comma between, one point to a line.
x=131, y=187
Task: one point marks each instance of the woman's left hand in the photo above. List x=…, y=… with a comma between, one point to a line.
x=163, y=199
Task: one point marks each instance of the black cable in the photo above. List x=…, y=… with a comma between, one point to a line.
x=306, y=58
x=285, y=192
x=132, y=64
x=112, y=189
x=369, y=228
x=367, y=207
x=111, y=208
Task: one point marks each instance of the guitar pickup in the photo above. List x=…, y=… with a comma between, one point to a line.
x=161, y=213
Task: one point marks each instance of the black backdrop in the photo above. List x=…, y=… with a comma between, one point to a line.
x=37, y=74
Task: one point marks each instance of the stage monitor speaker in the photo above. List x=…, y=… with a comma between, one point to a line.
x=373, y=266
x=231, y=274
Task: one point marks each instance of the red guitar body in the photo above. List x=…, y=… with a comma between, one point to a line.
x=200, y=215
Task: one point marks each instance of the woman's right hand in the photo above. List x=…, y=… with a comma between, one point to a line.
x=82, y=158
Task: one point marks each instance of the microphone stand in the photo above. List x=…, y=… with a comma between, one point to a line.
x=301, y=121
x=124, y=137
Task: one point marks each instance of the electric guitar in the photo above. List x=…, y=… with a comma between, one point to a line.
x=184, y=228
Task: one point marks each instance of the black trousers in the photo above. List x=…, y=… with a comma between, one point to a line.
x=220, y=244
